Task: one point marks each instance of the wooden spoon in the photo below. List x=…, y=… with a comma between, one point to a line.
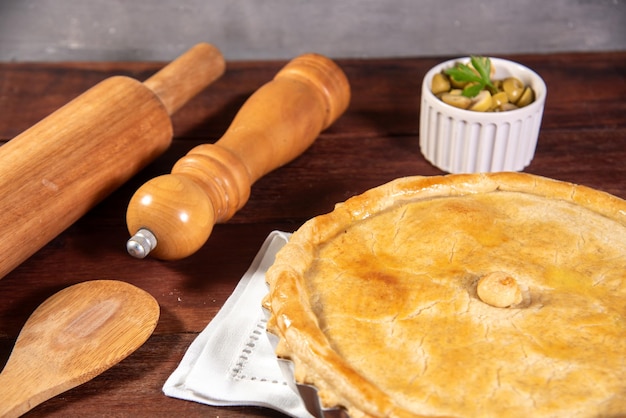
x=73, y=336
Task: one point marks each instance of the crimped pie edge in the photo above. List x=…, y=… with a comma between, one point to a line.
x=305, y=344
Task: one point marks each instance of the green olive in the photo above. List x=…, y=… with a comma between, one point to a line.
x=457, y=84
x=499, y=99
x=482, y=102
x=456, y=100
x=509, y=93
x=440, y=84
x=507, y=106
x=513, y=87
x=527, y=97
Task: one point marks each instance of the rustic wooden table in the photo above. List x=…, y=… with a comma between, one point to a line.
x=583, y=140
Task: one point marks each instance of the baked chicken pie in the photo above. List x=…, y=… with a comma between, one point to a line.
x=482, y=295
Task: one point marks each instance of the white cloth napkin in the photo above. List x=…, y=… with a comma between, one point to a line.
x=232, y=361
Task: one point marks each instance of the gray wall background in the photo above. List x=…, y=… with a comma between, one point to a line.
x=159, y=30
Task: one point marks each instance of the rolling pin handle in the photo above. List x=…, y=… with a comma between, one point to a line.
x=187, y=75
x=141, y=244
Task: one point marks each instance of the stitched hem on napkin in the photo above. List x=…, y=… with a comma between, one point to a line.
x=232, y=361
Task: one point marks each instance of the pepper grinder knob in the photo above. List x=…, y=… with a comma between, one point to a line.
x=172, y=216
x=140, y=244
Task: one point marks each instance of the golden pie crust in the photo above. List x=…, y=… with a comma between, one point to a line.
x=376, y=302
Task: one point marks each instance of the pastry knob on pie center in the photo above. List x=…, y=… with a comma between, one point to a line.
x=499, y=295
x=499, y=289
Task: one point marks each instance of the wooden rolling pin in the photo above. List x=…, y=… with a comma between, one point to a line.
x=172, y=216
x=54, y=172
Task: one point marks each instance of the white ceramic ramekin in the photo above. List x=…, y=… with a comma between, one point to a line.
x=465, y=141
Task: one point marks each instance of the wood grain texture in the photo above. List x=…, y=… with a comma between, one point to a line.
x=55, y=171
x=73, y=336
x=212, y=181
x=583, y=140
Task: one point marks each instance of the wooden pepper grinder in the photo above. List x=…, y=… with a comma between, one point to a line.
x=172, y=216
x=55, y=171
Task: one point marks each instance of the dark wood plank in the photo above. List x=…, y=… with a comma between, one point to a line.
x=583, y=140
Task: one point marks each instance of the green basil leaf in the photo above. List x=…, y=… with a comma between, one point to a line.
x=473, y=90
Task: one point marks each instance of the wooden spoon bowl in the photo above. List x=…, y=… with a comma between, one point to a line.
x=73, y=336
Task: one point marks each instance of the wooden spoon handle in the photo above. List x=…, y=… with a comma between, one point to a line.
x=173, y=215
